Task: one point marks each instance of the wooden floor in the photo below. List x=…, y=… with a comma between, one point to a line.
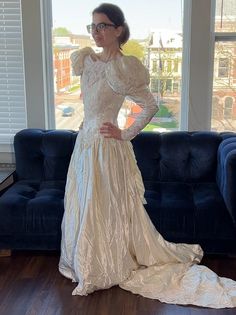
x=31, y=284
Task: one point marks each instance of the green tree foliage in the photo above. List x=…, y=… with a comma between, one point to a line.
x=132, y=47
x=61, y=31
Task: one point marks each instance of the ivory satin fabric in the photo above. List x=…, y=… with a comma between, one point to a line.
x=107, y=237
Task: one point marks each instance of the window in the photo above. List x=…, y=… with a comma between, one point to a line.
x=216, y=108
x=194, y=81
x=225, y=16
x=176, y=65
x=228, y=107
x=169, y=66
x=175, y=87
x=154, y=85
x=12, y=83
x=169, y=85
x=223, y=70
x=224, y=79
x=157, y=41
x=154, y=66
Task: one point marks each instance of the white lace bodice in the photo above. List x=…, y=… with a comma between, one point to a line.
x=105, y=85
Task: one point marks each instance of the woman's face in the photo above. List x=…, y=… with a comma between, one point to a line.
x=106, y=36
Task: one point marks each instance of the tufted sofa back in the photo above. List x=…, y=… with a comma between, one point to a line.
x=43, y=154
x=175, y=156
x=178, y=156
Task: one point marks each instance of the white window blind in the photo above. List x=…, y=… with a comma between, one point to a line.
x=12, y=81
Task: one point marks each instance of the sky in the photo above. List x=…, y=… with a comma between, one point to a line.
x=141, y=16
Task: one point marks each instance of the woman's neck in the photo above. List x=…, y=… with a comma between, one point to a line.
x=109, y=54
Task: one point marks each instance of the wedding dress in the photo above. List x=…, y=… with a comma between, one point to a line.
x=107, y=237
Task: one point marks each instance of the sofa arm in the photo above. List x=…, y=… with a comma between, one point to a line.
x=226, y=174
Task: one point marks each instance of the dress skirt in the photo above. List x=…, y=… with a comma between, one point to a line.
x=108, y=238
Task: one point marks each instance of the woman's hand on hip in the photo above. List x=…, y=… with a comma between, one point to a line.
x=108, y=130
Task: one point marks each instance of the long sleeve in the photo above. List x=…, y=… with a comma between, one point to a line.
x=144, y=98
x=130, y=78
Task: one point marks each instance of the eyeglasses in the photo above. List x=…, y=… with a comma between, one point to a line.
x=100, y=27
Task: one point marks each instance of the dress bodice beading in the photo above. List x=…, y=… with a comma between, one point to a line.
x=104, y=87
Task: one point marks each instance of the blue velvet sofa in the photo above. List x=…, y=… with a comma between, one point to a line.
x=190, y=181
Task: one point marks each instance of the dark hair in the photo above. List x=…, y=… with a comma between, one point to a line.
x=115, y=14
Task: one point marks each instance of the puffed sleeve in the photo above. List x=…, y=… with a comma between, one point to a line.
x=129, y=77
x=77, y=59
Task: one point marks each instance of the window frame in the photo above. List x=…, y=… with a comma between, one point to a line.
x=196, y=96
x=197, y=65
x=47, y=51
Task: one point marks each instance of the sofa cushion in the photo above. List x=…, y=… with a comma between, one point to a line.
x=171, y=208
x=188, y=211
x=32, y=207
x=211, y=214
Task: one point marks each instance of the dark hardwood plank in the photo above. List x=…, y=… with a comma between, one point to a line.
x=5, y=252
x=30, y=284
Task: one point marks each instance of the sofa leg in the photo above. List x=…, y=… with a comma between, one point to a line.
x=5, y=252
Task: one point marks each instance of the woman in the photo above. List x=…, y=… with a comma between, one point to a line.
x=107, y=236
